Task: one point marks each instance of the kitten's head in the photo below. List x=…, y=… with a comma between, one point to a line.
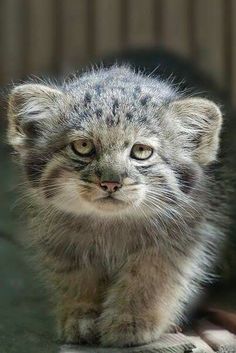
x=112, y=143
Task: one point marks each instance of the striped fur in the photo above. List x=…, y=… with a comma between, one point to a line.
x=121, y=269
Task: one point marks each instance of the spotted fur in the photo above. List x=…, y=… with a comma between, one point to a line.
x=123, y=269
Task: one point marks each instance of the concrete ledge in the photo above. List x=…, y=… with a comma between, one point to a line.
x=170, y=343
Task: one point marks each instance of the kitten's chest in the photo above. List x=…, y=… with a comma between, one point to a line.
x=108, y=245
x=86, y=242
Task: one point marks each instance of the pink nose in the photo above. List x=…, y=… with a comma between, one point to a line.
x=110, y=186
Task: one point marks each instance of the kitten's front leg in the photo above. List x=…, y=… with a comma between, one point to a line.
x=77, y=322
x=142, y=303
x=78, y=305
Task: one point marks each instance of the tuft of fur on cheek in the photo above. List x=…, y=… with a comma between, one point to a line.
x=34, y=171
x=61, y=186
x=186, y=178
x=53, y=178
x=50, y=184
x=34, y=167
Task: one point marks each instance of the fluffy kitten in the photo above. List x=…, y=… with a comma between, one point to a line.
x=124, y=213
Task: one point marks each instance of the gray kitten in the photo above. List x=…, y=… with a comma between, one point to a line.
x=123, y=216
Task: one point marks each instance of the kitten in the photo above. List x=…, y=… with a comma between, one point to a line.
x=124, y=216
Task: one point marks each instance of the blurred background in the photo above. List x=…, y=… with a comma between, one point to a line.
x=57, y=36
x=192, y=40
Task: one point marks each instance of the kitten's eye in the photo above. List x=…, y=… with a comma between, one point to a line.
x=141, y=152
x=83, y=147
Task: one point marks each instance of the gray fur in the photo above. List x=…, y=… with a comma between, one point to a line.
x=168, y=210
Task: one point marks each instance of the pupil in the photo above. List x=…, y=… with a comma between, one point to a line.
x=84, y=144
x=141, y=149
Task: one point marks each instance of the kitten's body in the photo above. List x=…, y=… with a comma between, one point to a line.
x=121, y=268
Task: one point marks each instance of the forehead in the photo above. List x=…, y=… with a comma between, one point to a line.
x=111, y=119
x=116, y=108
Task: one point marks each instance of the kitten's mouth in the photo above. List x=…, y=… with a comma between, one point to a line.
x=109, y=199
x=110, y=204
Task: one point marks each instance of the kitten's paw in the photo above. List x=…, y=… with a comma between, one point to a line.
x=80, y=330
x=78, y=327
x=122, y=330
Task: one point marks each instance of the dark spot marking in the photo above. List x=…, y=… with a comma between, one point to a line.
x=117, y=120
x=129, y=116
x=83, y=116
x=98, y=113
x=110, y=120
x=126, y=144
x=115, y=106
x=145, y=100
x=98, y=89
x=87, y=99
x=142, y=119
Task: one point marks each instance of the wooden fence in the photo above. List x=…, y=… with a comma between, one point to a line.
x=51, y=36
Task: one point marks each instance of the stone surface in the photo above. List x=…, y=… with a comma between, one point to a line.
x=169, y=343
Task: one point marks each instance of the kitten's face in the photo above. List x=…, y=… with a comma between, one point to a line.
x=113, y=148
x=100, y=170
x=108, y=169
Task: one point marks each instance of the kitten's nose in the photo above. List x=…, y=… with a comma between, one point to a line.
x=110, y=186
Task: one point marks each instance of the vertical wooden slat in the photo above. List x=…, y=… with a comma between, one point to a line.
x=233, y=44
x=158, y=21
x=12, y=53
x=175, y=26
x=74, y=46
x=141, y=23
x=107, y=27
x=209, y=37
x=41, y=36
x=68, y=34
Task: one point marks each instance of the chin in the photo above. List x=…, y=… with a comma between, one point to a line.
x=110, y=205
x=100, y=207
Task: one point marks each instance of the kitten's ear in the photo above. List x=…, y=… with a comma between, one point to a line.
x=200, y=123
x=29, y=106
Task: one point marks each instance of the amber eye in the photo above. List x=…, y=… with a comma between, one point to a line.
x=141, y=152
x=83, y=147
